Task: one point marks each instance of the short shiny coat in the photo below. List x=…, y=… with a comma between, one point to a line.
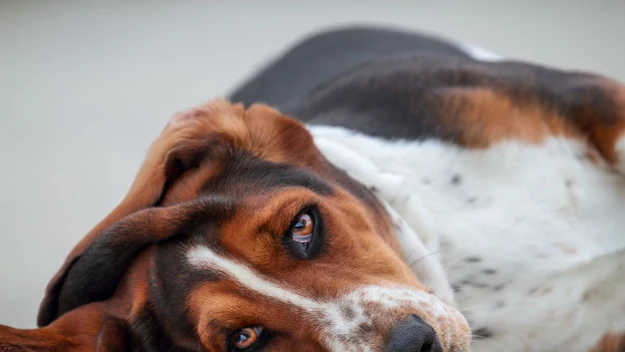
x=410, y=154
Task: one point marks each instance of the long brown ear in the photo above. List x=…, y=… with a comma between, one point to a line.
x=173, y=154
x=94, y=275
x=85, y=329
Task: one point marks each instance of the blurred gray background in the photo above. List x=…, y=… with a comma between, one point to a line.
x=85, y=87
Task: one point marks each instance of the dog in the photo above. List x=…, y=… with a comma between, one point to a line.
x=369, y=190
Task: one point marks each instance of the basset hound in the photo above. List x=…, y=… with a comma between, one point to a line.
x=369, y=190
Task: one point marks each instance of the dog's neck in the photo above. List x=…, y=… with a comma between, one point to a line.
x=416, y=235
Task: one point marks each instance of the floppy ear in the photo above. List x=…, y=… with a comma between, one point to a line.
x=179, y=149
x=176, y=154
x=85, y=329
x=94, y=275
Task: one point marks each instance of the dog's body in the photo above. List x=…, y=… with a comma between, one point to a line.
x=499, y=186
x=528, y=227
x=535, y=267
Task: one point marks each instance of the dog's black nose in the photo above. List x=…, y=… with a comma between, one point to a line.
x=413, y=335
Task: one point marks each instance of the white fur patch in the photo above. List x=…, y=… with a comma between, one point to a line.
x=342, y=332
x=417, y=237
x=479, y=53
x=531, y=236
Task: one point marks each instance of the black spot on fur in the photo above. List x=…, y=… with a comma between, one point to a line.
x=348, y=312
x=473, y=259
x=456, y=180
x=469, y=282
x=483, y=333
x=498, y=287
x=471, y=200
x=489, y=271
x=365, y=328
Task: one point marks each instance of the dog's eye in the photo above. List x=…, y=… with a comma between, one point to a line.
x=246, y=338
x=304, y=238
x=302, y=230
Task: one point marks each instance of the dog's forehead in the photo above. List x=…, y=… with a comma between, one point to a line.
x=247, y=151
x=245, y=174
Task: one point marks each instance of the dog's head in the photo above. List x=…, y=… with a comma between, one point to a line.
x=244, y=238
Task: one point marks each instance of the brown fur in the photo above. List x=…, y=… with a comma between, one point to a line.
x=481, y=117
x=611, y=343
x=193, y=151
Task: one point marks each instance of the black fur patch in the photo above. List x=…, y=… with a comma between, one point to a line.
x=397, y=85
x=245, y=174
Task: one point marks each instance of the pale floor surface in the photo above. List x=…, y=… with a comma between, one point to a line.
x=86, y=86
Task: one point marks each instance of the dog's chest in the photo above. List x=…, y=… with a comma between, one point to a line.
x=530, y=236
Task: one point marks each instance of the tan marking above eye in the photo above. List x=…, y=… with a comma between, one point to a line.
x=246, y=337
x=302, y=230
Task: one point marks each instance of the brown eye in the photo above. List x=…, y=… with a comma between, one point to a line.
x=246, y=337
x=304, y=238
x=302, y=230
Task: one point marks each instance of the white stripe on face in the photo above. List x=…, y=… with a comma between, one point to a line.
x=203, y=257
x=340, y=331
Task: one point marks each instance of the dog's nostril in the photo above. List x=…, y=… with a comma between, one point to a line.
x=413, y=335
x=426, y=347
